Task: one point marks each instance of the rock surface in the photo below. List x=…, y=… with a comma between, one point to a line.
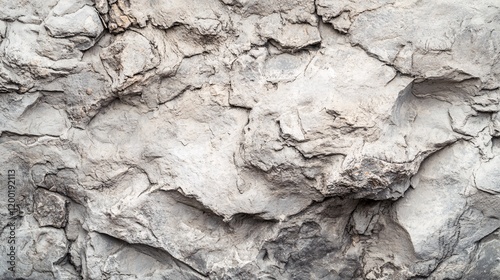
x=250, y=139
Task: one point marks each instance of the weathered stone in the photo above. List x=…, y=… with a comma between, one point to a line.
x=487, y=176
x=244, y=139
x=50, y=209
x=431, y=211
x=84, y=22
x=485, y=264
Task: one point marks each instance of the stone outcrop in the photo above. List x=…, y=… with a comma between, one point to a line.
x=244, y=139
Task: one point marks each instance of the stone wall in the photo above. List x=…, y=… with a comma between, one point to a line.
x=246, y=139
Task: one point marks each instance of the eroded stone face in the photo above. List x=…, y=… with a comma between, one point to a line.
x=250, y=139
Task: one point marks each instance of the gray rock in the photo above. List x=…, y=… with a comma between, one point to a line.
x=83, y=22
x=50, y=209
x=485, y=263
x=243, y=139
x=487, y=176
x=431, y=211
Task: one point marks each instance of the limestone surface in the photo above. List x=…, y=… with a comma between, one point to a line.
x=245, y=139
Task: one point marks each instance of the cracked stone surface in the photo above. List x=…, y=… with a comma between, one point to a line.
x=244, y=139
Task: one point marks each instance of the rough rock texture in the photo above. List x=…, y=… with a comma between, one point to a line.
x=245, y=139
